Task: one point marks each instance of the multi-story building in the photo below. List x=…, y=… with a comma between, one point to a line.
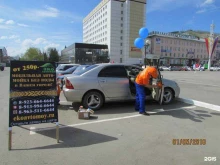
x=181, y=49
x=3, y=54
x=81, y=53
x=116, y=23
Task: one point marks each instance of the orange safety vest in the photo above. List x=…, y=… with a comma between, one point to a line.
x=143, y=78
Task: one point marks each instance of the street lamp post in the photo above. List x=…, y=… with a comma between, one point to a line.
x=146, y=46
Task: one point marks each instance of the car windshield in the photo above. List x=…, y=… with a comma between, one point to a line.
x=83, y=68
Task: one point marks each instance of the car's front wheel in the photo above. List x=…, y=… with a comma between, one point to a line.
x=168, y=96
x=93, y=100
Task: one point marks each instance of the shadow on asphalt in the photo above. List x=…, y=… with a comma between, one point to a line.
x=73, y=137
x=217, y=114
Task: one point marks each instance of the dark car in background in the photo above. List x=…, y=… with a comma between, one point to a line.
x=175, y=68
x=2, y=67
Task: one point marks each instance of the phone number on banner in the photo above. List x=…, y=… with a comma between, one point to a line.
x=36, y=111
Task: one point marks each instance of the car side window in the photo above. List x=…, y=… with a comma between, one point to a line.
x=132, y=71
x=113, y=71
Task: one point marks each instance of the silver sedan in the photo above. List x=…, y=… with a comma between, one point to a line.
x=102, y=83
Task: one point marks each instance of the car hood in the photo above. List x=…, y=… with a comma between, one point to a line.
x=167, y=82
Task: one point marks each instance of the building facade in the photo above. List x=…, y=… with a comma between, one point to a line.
x=116, y=23
x=181, y=49
x=3, y=54
x=81, y=53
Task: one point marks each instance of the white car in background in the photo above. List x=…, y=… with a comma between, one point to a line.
x=215, y=68
x=165, y=68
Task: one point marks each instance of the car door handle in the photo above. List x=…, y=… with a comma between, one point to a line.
x=103, y=81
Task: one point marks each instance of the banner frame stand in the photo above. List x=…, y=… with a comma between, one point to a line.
x=9, y=138
x=57, y=131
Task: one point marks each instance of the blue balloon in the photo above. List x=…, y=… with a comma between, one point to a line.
x=143, y=32
x=139, y=43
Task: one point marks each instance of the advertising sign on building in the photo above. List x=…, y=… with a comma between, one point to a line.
x=157, y=40
x=134, y=49
x=32, y=93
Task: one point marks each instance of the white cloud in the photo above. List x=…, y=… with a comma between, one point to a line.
x=38, y=41
x=207, y=2
x=18, y=41
x=23, y=25
x=47, y=12
x=13, y=37
x=4, y=27
x=14, y=51
x=1, y=20
x=9, y=22
x=22, y=46
x=51, y=45
x=206, y=6
x=168, y=5
x=3, y=37
x=201, y=11
x=9, y=37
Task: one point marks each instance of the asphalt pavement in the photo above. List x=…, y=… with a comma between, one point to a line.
x=114, y=135
x=200, y=85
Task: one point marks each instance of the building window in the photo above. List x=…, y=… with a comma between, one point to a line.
x=121, y=51
x=122, y=18
x=121, y=44
x=121, y=4
x=121, y=37
x=174, y=55
x=121, y=31
x=122, y=25
x=121, y=12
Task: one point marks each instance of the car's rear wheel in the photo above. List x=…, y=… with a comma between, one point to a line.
x=168, y=96
x=93, y=100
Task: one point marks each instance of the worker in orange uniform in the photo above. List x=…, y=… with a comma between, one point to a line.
x=142, y=81
x=58, y=93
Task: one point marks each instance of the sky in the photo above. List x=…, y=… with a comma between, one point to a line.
x=58, y=23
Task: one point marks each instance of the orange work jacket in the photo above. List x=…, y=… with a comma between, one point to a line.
x=143, y=78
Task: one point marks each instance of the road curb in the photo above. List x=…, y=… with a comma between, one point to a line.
x=200, y=104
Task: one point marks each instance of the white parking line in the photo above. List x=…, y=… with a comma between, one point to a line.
x=200, y=104
x=106, y=120
x=32, y=132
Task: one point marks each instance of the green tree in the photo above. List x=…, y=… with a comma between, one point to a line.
x=45, y=56
x=53, y=55
x=32, y=54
